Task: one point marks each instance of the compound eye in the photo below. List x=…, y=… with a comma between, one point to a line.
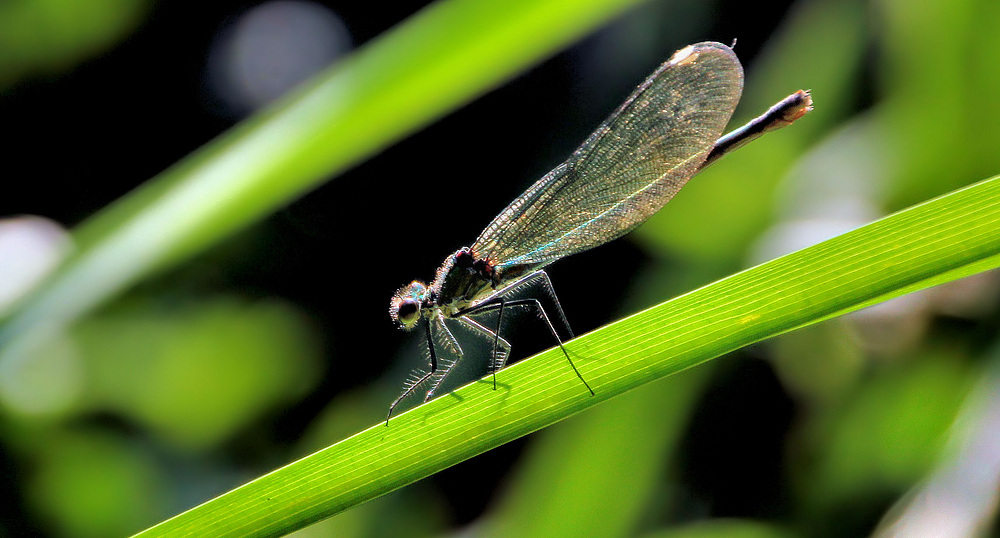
x=409, y=309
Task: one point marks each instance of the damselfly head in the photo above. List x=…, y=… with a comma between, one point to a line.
x=405, y=305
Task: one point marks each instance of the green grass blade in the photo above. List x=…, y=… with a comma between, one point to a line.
x=904, y=251
x=437, y=60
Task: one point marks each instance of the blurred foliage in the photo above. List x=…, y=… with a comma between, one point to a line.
x=886, y=436
x=206, y=370
x=905, y=111
x=47, y=37
x=724, y=528
x=190, y=375
x=91, y=484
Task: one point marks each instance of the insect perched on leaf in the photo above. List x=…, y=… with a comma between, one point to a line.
x=635, y=162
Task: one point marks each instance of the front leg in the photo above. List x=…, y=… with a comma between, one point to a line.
x=412, y=384
x=450, y=342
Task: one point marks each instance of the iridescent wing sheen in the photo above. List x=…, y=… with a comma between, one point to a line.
x=632, y=165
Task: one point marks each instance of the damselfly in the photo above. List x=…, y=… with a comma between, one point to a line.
x=633, y=164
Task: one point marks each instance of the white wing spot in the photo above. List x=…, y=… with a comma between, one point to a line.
x=683, y=56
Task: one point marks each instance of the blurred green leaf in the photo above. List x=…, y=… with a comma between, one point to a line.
x=837, y=275
x=724, y=528
x=983, y=79
x=889, y=434
x=89, y=484
x=937, y=65
x=196, y=373
x=819, y=363
x=45, y=36
x=965, y=478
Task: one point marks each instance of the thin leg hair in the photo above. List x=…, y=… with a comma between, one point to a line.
x=501, y=358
